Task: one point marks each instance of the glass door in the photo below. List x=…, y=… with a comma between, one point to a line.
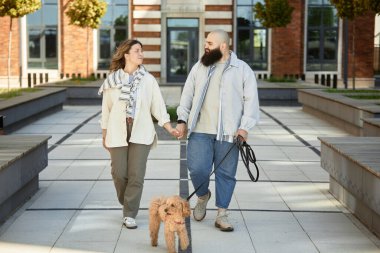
x=182, y=48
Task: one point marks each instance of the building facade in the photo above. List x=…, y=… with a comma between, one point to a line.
x=46, y=48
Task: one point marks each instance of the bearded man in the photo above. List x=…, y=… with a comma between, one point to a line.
x=218, y=103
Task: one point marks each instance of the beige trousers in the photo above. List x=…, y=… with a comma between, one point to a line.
x=128, y=166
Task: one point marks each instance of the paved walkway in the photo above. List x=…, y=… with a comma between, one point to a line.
x=288, y=210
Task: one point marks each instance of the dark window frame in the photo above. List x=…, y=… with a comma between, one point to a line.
x=195, y=29
x=103, y=63
x=42, y=60
x=322, y=29
x=251, y=28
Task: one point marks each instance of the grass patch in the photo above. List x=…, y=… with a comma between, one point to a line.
x=360, y=91
x=273, y=79
x=369, y=96
x=5, y=94
x=79, y=80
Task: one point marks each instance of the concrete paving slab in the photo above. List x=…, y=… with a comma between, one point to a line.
x=290, y=209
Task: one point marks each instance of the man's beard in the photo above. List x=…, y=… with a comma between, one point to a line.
x=211, y=57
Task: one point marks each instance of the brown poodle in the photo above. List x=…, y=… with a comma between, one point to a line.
x=172, y=211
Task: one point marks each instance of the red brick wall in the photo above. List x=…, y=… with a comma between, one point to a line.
x=15, y=51
x=287, y=44
x=364, y=46
x=221, y=22
x=74, y=47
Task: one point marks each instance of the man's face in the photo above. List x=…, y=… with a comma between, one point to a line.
x=211, y=42
x=212, y=51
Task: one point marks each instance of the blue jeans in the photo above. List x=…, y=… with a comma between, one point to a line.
x=203, y=150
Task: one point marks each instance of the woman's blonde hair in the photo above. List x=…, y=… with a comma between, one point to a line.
x=118, y=60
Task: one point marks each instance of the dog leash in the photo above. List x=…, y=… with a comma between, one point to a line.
x=247, y=155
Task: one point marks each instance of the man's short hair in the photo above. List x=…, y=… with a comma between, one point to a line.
x=223, y=36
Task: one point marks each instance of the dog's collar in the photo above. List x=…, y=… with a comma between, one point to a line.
x=179, y=222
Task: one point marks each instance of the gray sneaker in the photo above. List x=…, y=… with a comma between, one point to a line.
x=200, y=208
x=222, y=222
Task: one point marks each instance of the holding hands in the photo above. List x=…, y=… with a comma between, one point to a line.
x=174, y=132
x=182, y=129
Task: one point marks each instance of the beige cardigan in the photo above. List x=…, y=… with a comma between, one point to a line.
x=149, y=102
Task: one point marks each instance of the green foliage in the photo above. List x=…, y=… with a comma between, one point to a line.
x=5, y=93
x=78, y=80
x=275, y=13
x=172, y=111
x=84, y=79
x=374, y=5
x=274, y=79
x=86, y=13
x=353, y=8
x=361, y=91
x=367, y=96
x=18, y=8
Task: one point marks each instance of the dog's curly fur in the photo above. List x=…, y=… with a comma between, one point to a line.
x=172, y=211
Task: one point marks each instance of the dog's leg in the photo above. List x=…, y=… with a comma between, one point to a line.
x=170, y=239
x=154, y=223
x=183, y=238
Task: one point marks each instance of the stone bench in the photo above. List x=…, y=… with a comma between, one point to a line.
x=371, y=127
x=21, y=160
x=354, y=167
x=341, y=111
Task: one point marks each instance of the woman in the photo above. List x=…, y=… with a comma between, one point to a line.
x=131, y=96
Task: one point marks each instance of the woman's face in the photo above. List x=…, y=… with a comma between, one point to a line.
x=135, y=55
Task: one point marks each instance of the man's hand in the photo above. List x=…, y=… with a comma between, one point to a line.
x=182, y=129
x=242, y=133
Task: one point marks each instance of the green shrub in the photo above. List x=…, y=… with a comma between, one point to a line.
x=5, y=94
x=274, y=79
x=369, y=96
x=173, y=113
x=351, y=91
x=273, y=13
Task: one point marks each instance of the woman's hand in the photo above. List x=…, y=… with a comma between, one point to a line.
x=174, y=132
x=104, y=144
x=104, y=134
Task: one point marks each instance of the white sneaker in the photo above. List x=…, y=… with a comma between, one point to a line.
x=222, y=222
x=130, y=223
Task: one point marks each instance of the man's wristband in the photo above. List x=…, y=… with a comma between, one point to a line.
x=181, y=121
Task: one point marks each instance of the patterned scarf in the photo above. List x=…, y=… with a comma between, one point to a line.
x=128, y=89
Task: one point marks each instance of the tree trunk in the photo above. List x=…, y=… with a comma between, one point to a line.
x=87, y=54
x=9, y=52
x=345, y=61
x=353, y=55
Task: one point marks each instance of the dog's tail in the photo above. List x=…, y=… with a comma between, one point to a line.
x=154, y=221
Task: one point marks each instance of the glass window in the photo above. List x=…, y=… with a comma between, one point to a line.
x=322, y=36
x=42, y=27
x=182, y=22
x=244, y=2
x=34, y=43
x=252, y=38
x=113, y=30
